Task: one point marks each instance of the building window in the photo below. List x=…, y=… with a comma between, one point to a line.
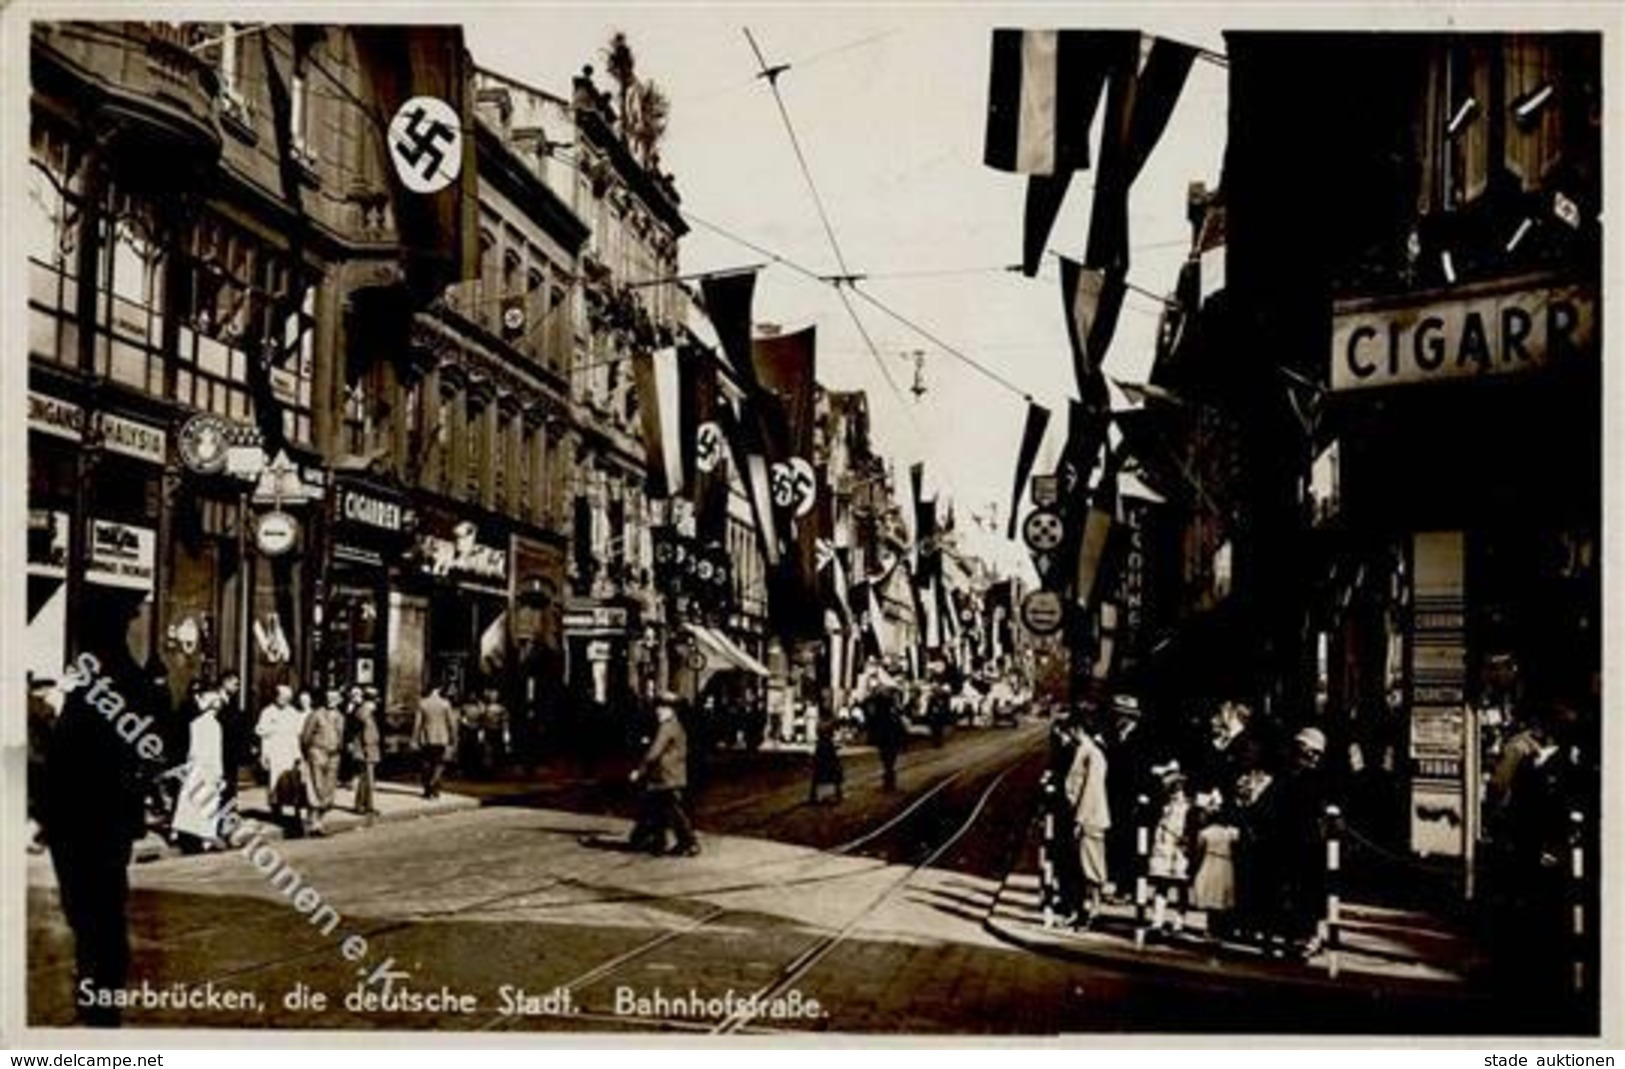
x=524, y=470
x=129, y=306
x=299, y=118
x=230, y=316
x=50, y=234
x=499, y=470
x=357, y=418
x=475, y=440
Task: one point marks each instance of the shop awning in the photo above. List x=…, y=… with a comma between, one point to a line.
x=720, y=648
x=746, y=661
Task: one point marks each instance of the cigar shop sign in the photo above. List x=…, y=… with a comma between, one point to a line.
x=1487, y=330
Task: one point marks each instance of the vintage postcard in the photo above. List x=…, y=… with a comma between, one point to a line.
x=942, y=522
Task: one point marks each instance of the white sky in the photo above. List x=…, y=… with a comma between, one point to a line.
x=889, y=106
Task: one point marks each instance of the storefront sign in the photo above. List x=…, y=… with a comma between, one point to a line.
x=119, y=435
x=52, y=416
x=463, y=555
x=597, y=619
x=1494, y=332
x=276, y=533
x=133, y=439
x=121, y=555
x=369, y=510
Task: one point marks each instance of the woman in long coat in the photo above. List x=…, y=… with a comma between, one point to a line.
x=197, y=806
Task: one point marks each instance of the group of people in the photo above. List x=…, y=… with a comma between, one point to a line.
x=1232, y=828
x=308, y=749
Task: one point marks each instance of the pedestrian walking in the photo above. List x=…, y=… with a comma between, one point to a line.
x=1086, y=790
x=433, y=731
x=279, y=729
x=494, y=718
x=883, y=715
x=828, y=777
x=93, y=801
x=664, y=775
x=368, y=751
x=322, y=740
x=195, y=824
x=234, y=732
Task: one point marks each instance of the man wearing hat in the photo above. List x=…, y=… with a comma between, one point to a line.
x=664, y=775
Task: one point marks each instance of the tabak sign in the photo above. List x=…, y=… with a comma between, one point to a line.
x=1489, y=330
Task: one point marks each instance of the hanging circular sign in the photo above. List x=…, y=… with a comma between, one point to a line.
x=1042, y=530
x=1042, y=612
x=513, y=319
x=426, y=144
x=203, y=442
x=275, y=533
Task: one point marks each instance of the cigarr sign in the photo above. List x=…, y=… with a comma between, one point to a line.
x=1487, y=331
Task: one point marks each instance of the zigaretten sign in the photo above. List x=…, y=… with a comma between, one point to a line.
x=1485, y=330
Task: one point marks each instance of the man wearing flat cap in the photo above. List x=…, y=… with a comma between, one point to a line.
x=664, y=775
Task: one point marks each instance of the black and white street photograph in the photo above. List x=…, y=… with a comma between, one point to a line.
x=776, y=521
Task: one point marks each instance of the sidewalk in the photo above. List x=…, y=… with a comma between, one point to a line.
x=1379, y=947
x=395, y=802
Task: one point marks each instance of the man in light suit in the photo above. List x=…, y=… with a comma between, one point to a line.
x=1086, y=790
x=664, y=775
x=433, y=732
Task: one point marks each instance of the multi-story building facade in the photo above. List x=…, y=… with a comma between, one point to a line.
x=625, y=300
x=207, y=204
x=1386, y=465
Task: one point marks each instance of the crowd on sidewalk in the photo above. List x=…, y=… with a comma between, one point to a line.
x=1228, y=829
x=1233, y=827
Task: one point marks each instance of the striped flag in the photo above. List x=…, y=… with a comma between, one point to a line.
x=1146, y=79
x=1042, y=92
x=1092, y=299
x=727, y=300
x=1098, y=526
x=658, y=378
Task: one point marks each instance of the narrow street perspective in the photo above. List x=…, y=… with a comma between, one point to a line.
x=754, y=522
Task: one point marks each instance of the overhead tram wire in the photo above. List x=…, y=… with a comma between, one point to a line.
x=771, y=76
x=826, y=280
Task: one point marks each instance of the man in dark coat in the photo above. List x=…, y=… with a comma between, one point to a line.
x=884, y=718
x=1300, y=808
x=234, y=731
x=94, y=799
x=664, y=775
